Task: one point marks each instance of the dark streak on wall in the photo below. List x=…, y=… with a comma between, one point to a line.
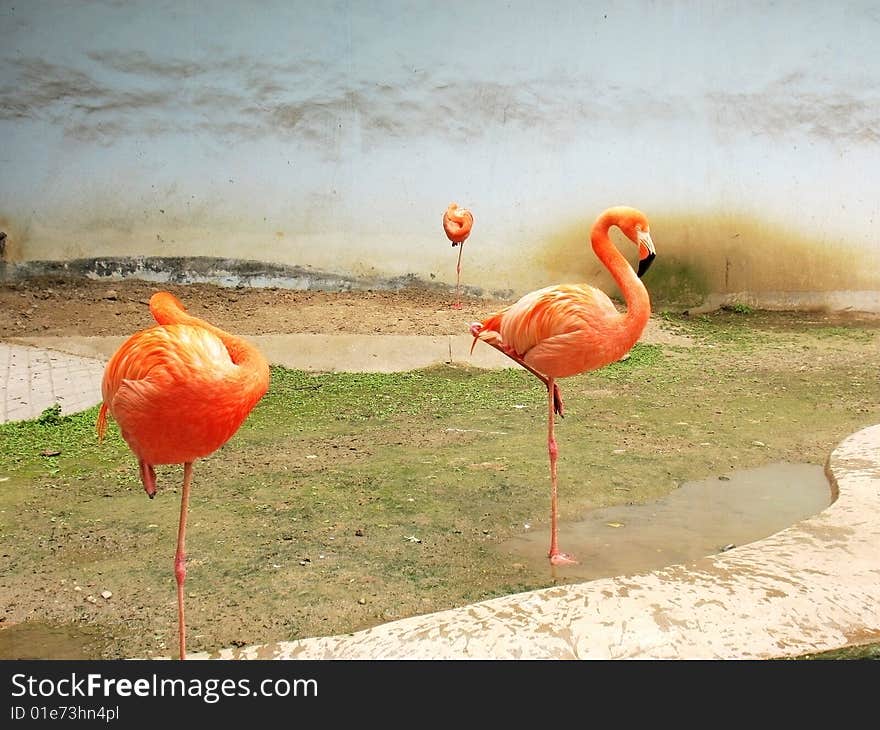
x=223, y=272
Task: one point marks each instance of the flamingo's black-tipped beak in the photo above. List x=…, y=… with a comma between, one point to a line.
x=645, y=264
x=475, y=328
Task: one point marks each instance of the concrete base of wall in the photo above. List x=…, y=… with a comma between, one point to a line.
x=259, y=274
x=222, y=272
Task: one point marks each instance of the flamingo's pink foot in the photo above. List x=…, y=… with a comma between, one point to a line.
x=562, y=559
x=457, y=305
x=558, y=404
x=148, y=477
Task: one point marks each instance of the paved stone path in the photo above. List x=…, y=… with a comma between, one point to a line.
x=35, y=379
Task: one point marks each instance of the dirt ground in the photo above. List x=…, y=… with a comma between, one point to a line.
x=86, y=307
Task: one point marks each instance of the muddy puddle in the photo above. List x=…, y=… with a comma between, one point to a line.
x=38, y=640
x=701, y=518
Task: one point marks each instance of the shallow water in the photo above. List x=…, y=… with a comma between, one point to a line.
x=38, y=640
x=700, y=518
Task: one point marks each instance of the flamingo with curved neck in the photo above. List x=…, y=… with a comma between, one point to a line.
x=567, y=329
x=179, y=390
x=457, y=223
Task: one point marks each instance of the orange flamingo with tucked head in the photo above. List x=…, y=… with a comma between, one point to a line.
x=179, y=391
x=565, y=330
x=457, y=222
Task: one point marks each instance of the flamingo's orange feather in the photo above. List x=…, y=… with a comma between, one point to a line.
x=457, y=223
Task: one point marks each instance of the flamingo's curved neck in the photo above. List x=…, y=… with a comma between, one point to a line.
x=638, y=304
x=169, y=311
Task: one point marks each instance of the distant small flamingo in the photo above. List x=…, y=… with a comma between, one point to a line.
x=179, y=391
x=565, y=330
x=457, y=222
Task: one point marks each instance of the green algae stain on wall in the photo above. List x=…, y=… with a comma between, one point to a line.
x=713, y=254
x=567, y=257
x=674, y=283
x=737, y=253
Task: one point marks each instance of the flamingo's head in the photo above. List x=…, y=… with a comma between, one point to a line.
x=634, y=225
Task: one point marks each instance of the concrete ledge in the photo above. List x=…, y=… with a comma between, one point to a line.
x=346, y=352
x=41, y=371
x=375, y=353
x=809, y=588
x=323, y=353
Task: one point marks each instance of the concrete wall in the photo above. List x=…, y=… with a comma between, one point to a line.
x=332, y=135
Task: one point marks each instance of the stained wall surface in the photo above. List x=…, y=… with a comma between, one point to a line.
x=332, y=136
